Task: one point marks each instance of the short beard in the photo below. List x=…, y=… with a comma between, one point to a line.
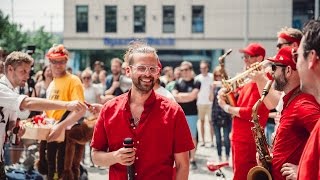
x=280, y=82
x=141, y=88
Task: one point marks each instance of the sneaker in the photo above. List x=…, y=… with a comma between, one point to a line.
x=202, y=144
x=193, y=165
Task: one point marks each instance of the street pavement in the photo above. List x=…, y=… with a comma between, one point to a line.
x=202, y=173
x=203, y=155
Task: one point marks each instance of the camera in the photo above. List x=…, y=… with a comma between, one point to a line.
x=31, y=83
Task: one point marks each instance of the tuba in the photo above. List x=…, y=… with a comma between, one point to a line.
x=260, y=172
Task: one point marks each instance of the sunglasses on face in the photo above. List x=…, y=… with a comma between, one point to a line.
x=279, y=45
x=294, y=55
x=186, y=69
x=58, y=62
x=142, y=69
x=248, y=57
x=274, y=66
x=86, y=78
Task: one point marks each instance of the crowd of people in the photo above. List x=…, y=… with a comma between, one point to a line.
x=159, y=109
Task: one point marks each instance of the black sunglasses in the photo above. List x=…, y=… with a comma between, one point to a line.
x=274, y=66
x=279, y=45
x=294, y=55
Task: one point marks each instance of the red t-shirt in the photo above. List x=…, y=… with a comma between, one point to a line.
x=162, y=132
x=298, y=117
x=241, y=126
x=310, y=160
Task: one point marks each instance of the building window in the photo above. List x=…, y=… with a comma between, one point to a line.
x=82, y=18
x=139, y=21
x=111, y=19
x=168, y=19
x=197, y=19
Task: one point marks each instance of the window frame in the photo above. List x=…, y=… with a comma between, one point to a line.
x=194, y=27
x=80, y=24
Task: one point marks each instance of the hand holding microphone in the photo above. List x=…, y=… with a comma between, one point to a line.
x=128, y=144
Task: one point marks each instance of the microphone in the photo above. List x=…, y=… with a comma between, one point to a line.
x=213, y=167
x=225, y=54
x=128, y=143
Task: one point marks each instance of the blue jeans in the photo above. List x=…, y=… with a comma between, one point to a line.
x=192, y=123
x=226, y=131
x=268, y=131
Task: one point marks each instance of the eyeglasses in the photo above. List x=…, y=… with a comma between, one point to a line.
x=294, y=55
x=247, y=57
x=142, y=69
x=58, y=62
x=279, y=45
x=274, y=66
x=86, y=78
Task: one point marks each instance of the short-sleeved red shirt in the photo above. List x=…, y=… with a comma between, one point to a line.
x=299, y=116
x=241, y=126
x=162, y=132
x=309, y=165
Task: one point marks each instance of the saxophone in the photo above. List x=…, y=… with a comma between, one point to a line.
x=230, y=99
x=260, y=172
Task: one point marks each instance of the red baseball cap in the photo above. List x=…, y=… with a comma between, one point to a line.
x=254, y=49
x=284, y=56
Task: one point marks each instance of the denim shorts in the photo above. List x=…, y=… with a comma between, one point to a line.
x=192, y=123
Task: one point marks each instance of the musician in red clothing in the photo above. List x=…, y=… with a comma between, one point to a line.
x=242, y=141
x=300, y=113
x=309, y=70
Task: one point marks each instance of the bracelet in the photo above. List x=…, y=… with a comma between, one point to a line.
x=226, y=108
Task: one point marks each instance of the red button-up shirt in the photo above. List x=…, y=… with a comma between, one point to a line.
x=162, y=132
x=309, y=165
x=241, y=126
x=299, y=115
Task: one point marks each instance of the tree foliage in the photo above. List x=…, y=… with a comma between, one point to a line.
x=12, y=38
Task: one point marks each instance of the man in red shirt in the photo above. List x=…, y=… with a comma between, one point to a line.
x=156, y=124
x=242, y=141
x=309, y=70
x=299, y=114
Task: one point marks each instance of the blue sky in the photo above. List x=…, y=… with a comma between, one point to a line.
x=33, y=14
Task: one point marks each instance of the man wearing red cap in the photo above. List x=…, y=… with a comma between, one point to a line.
x=65, y=87
x=299, y=115
x=242, y=141
x=308, y=66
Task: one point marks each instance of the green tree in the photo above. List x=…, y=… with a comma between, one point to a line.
x=42, y=40
x=11, y=36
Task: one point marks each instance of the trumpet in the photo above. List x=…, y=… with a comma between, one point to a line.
x=242, y=79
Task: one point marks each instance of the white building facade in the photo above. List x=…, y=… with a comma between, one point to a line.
x=180, y=30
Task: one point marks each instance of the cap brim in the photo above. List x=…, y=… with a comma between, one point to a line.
x=272, y=59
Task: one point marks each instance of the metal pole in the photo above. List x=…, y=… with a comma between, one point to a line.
x=246, y=24
x=12, y=15
x=316, y=9
x=51, y=17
